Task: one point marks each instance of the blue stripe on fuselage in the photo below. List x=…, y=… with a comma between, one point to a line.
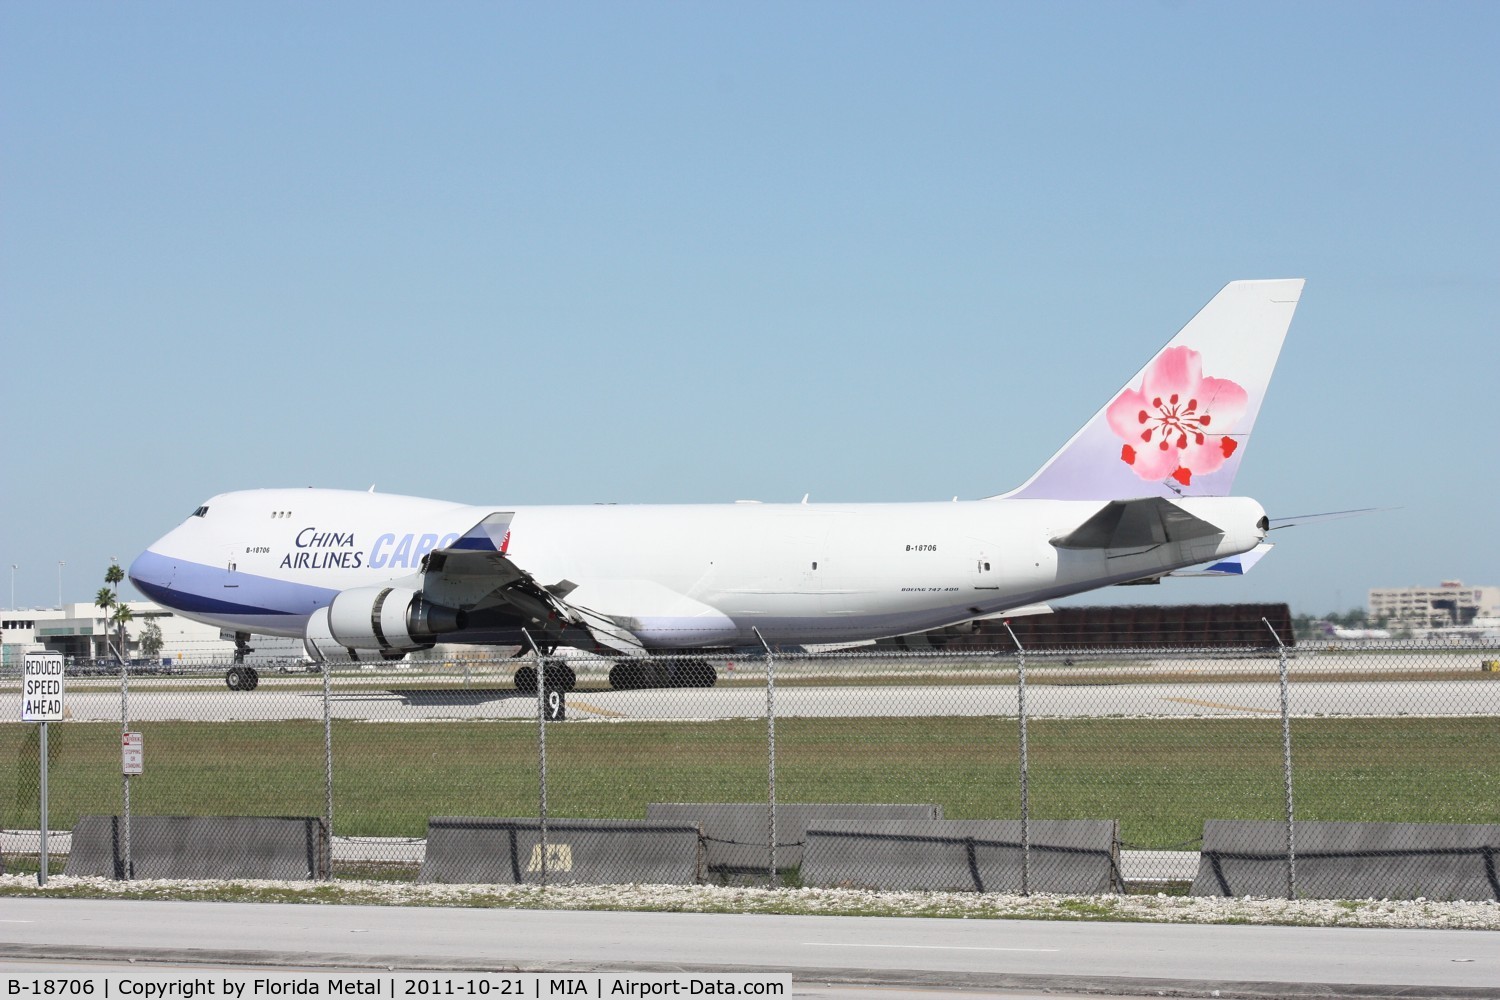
x=192, y=588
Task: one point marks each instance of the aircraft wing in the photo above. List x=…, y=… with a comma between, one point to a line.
x=467, y=571
x=477, y=575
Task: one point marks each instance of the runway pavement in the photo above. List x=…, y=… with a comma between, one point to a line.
x=417, y=699
x=905, y=953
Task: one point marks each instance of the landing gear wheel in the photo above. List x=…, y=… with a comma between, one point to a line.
x=560, y=677
x=253, y=677
x=526, y=680
x=236, y=679
x=633, y=675
x=694, y=674
x=626, y=675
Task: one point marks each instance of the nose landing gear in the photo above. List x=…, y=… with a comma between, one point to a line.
x=241, y=677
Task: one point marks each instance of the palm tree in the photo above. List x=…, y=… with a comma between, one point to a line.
x=120, y=617
x=113, y=576
x=105, y=600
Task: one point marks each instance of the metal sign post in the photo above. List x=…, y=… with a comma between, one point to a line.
x=126, y=760
x=42, y=702
x=132, y=761
x=43, y=864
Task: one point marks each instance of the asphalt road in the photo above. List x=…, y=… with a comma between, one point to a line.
x=410, y=700
x=801, y=991
x=1139, y=959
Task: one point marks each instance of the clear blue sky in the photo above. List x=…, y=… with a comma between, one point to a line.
x=656, y=252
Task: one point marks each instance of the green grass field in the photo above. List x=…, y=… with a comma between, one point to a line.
x=1160, y=778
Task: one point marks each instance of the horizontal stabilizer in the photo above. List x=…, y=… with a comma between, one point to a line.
x=1233, y=566
x=1135, y=524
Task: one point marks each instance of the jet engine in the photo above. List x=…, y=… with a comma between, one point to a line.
x=391, y=621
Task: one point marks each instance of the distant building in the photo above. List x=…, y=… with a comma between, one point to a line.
x=81, y=632
x=1449, y=604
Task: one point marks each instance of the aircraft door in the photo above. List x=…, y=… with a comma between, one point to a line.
x=986, y=571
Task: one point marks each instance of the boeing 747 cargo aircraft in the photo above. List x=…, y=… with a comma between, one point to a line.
x=1141, y=492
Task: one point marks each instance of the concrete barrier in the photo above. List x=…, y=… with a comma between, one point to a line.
x=1068, y=856
x=482, y=850
x=207, y=847
x=1350, y=860
x=735, y=833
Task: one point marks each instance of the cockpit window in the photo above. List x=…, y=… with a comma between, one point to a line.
x=200, y=511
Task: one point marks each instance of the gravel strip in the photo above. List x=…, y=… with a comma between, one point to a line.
x=1475, y=915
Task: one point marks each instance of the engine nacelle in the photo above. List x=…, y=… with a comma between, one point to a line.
x=387, y=620
x=320, y=644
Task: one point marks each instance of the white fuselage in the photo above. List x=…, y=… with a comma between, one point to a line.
x=678, y=576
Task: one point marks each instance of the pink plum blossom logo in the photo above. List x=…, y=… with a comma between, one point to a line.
x=1176, y=424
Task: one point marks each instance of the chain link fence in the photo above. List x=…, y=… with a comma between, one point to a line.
x=1322, y=769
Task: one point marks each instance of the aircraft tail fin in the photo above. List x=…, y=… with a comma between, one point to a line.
x=1179, y=428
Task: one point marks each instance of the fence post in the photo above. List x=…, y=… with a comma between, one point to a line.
x=1025, y=767
x=541, y=721
x=42, y=805
x=775, y=878
x=327, y=771
x=129, y=866
x=1286, y=766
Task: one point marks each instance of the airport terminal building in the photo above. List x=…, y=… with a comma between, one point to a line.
x=1449, y=604
x=81, y=632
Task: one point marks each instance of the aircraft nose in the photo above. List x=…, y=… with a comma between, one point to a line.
x=136, y=571
x=151, y=574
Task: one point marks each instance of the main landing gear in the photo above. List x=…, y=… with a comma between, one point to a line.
x=559, y=677
x=626, y=675
x=631, y=675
